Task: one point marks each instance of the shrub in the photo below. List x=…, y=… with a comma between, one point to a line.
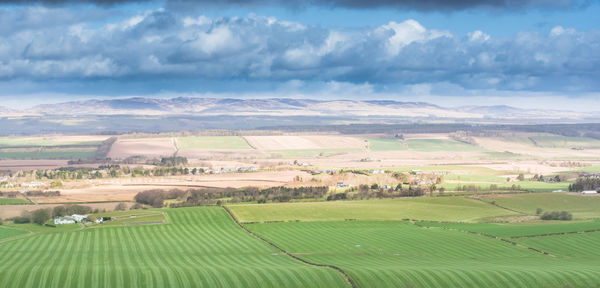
x=136, y=206
x=59, y=211
x=1, y=221
x=557, y=215
x=77, y=209
x=121, y=207
x=21, y=219
x=538, y=211
x=155, y=198
x=41, y=216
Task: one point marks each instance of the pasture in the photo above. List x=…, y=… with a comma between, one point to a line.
x=420, y=145
x=46, y=153
x=400, y=254
x=582, y=207
x=212, y=143
x=511, y=230
x=438, y=209
x=200, y=247
x=6, y=233
x=49, y=147
x=579, y=246
x=13, y=201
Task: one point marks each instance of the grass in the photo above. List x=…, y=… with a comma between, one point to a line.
x=47, y=153
x=28, y=142
x=36, y=228
x=581, y=207
x=399, y=254
x=421, y=145
x=589, y=169
x=525, y=185
x=556, y=141
x=213, y=143
x=13, y=201
x=518, y=229
x=432, y=145
x=386, y=144
x=200, y=247
x=470, y=169
x=6, y=232
x=131, y=217
x=578, y=246
x=438, y=209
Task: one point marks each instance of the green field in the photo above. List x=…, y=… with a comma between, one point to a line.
x=6, y=232
x=13, y=201
x=580, y=206
x=421, y=145
x=131, y=217
x=580, y=246
x=200, y=247
x=438, y=209
x=47, y=153
x=556, y=141
x=400, y=254
x=41, y=142
x=518, y=230
x=386, y=144
x=213, y=143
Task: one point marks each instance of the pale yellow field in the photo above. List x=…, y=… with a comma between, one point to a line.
x=304, y=142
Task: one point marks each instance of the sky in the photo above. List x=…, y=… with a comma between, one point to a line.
x=524, y=53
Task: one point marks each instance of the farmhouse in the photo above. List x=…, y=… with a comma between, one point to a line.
x=75, y=218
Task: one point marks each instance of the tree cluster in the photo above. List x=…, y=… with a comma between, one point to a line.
x=585, y=183
x=557, y=215
x=42, y=193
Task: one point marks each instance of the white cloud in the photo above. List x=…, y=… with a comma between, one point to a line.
x=478, y=36
x=559, y=30
x=405, y=33
x=257, y=48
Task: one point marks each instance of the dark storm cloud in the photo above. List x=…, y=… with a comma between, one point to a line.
x=422, y=5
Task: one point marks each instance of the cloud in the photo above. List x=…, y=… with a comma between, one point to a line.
x=171, y=51
x=420, y=5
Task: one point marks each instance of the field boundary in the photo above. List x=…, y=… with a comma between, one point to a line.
x=346, y=276
x=502, y=207
x=488, y=236
x=555, y=234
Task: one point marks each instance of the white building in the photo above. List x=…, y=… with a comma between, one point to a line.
x=589, y=192
x=75, y=218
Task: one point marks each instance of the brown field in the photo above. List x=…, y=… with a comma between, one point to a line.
x=150, y=147
x=124, y=189
x=304, y=142
x=25, y=165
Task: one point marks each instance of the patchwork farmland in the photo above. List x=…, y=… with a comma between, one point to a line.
x=302, y=210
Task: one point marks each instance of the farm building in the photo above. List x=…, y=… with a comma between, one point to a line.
x=589, y=192
x=376, y=171
x=75, y=218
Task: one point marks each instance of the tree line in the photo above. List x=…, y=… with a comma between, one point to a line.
x=585, y=183
x=215, y=196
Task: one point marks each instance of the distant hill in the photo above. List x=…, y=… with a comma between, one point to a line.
x=293, y=107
